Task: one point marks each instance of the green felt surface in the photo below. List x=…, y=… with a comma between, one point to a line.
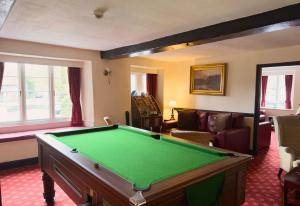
x=206, y=192
x=137, y=157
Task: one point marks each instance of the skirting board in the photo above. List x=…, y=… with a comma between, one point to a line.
x=18, y=163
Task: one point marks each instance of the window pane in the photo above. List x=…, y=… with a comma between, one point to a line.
x=281, y=92
x=138, y=82
x=63, y=106
x=275, y=94
x=10, y=95
x=144, y=83
x=271, y=92
x=37, y=92
x=133, y=81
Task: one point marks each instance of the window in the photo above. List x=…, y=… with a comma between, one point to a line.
x=10, y=94
x=275, y=93
x=139, y=82
x=63, y=104
x=37, y=92
x=34, y=92
x=133, y=80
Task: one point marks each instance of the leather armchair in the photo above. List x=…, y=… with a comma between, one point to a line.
x=233, y=139
x=195, y=136
x=287, y=130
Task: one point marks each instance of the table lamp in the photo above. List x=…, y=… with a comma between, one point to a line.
x=172, y=104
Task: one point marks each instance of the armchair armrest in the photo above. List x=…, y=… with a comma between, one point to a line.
x=195, y=136
x=233, y=139
x=264, y=135
x=287, y=157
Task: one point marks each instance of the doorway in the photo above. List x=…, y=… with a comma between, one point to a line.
x=275, y=94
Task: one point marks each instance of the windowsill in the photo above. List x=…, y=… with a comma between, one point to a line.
x=33, y=125
x=277, y=109
x=33, y=122
x=18, y=136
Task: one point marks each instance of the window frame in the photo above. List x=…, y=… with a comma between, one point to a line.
x=277, y=74
x=22, y=92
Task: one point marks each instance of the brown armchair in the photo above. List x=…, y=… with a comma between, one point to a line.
x=233, y=139
x=195, y=125
x=195, y=136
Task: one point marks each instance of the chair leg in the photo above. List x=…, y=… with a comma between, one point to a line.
x=279, y=172
x=285, y=196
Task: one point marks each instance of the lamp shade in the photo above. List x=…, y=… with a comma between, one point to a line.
x=172, y=103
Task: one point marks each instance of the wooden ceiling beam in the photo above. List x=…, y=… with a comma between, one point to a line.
x=269, y=21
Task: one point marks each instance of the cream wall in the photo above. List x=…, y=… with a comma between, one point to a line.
x=28, y=52
x=120, y=92
x=99, y=98
x=10, y=151
x=240, y=81
x=240, y=84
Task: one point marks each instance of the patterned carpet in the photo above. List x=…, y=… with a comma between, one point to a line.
x=21, y=187
x=263, y=187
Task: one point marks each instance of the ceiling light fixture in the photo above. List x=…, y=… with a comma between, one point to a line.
x=99, y=12
x=5, y=8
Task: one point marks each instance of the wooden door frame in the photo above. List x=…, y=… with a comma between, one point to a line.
x=259, y=68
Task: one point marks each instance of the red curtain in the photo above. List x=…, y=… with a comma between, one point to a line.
x=152, y=84
x=288, y=91
x=1, y=73
x=264, y=83
x=74, y=85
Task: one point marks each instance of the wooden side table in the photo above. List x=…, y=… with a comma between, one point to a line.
x=291, y=181
x=168, y=125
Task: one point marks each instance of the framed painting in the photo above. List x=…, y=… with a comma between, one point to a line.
x=208, y=79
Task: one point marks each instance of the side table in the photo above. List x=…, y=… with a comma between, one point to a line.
x=291, y=181
x=168, y=125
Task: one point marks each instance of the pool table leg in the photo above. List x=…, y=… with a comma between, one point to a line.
x=49, y=191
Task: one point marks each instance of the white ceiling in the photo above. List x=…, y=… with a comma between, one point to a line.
x=71, y=22
x=258, y=42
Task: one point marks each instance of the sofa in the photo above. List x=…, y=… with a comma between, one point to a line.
x=226, y=130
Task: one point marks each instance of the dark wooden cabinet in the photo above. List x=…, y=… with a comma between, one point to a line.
x=145, y=113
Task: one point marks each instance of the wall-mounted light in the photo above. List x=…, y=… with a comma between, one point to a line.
x=107, y=72
x=99, y=12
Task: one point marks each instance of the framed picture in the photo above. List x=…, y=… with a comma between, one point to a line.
x=208, y=79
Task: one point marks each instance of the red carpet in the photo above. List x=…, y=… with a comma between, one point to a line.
x=263, y=187
x=21, y=187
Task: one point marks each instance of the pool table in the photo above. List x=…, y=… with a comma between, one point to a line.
x=120, y=165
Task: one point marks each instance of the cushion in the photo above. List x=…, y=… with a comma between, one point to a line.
x=237, y=120
x=262, y=118
x=219, y=122
x=195, y=136
x=202, y=121
x=187, y=119
x=296, y=163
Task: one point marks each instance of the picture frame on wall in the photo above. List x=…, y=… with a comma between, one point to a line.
x=208, y=79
